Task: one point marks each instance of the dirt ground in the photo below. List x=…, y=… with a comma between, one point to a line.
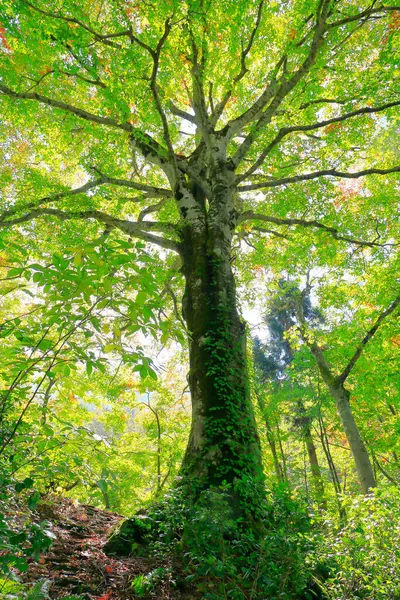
x=76, y=563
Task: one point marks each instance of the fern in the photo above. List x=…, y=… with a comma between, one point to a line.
x=40, y=591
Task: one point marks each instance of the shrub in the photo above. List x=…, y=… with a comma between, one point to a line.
x=367, y=550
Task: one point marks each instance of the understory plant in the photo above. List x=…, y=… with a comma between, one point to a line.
x=222, y=556
x=366, y=550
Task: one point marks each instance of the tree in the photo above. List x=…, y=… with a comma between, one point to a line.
x=265, y=90
x=272, y=361
x=339, y=391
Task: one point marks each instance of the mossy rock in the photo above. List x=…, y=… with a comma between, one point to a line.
x=131, y=536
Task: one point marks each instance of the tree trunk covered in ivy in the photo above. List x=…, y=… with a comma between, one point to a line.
x=223, y=444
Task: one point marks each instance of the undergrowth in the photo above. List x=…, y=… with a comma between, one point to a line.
x=221, y=556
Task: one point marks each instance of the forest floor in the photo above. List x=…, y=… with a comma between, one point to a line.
x=76, y=563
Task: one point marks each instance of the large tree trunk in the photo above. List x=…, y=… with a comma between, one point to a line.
x=223, y=451
x=223, y=444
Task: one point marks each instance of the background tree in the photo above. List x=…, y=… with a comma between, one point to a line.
x=336, y=386
x=272, y=360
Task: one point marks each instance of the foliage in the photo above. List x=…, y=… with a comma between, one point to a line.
x=147, y=146
x=20, y=536
x=220, y=554
x=366, y=551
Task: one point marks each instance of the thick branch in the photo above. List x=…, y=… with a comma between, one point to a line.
x=284, y=131
x=219, y=109
x=364, y=15
x=346, y=371
x=284, y=88
x=140, y=230
x=151, y=191
x=52, y=198
x=246, y=50
x=204, y=123
x=236, y=125
x=316, y=175
x=325, y=101
x=147, y=145
x=150, y=209
x=251, y=216
x=181, y=113
x=79, y=112
x=154, y=88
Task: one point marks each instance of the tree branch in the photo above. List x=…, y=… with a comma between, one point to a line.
x=52, y=198
x=271, y=231
x=346, y=371
x=79, y=112
x=154, y=88
x=236, y=125
x=105, y=39
x=285, y=87
x=284, y=131
x=147, y=145
x=364, y=15
x=246, y=50
x=251, y=216
x=151, y=209
x=316, y=175
x=151, y=191
x=140, y=230
x=204, y=124
x=219, y=109
x=181, y=113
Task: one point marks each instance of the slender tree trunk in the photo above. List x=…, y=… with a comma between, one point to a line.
x=315, y=468
x=284, y=463
x=270, y=438
x=46, y=401
x=332, y=469
x=342, y=400
x=305, y=424
x=358, y=449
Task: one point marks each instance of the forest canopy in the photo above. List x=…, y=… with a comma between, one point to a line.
x=199, y=279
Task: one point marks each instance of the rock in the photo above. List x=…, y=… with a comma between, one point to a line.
x=130, y=537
